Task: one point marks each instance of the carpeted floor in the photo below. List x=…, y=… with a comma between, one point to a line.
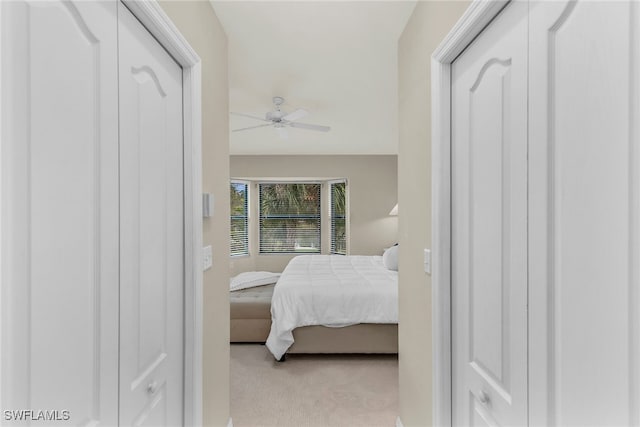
x=312, y=390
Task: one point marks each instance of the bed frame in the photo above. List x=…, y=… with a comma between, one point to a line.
x=373, y=338
x=251, y=322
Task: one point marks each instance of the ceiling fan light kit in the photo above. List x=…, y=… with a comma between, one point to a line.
x=280, y=120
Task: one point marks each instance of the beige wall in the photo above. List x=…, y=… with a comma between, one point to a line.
x=198, y=23
x=372, y=194
x=430, y=22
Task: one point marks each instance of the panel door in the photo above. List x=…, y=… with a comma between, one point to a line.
x=489, y=225
x=584, y=213
x=59, y=212
x=151, y=231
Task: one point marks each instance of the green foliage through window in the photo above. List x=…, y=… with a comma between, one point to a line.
x=290, y=218
x=339, y=218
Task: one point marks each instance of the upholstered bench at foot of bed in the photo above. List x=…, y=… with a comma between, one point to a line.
x=251, y=314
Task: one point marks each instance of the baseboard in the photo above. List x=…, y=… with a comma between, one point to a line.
x=230, y=423
x=399, y=422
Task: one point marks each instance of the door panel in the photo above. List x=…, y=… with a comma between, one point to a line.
x=152, y=239
x=584, y=213
x=489, y=225
x=60, y=209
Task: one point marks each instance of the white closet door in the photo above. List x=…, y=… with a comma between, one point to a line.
x=60, y=210
x=584, y=217
x=151, y=231
x=489, y=225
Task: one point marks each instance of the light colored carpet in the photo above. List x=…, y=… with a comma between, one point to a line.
x=312, y=390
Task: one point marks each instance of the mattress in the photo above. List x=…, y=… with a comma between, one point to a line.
x=333, y=291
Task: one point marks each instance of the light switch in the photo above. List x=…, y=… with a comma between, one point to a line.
x=207, y=257
x=427, y=261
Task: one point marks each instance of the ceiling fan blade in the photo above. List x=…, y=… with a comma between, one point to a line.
x=282, y=133
x=251, y=127
x=310, y=127
x=250, y=116
x=295, y=115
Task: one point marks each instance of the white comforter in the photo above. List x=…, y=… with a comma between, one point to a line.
x=331, y=290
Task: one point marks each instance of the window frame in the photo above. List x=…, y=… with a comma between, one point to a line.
x=331, y=216
x=319, y=216
x=247, y=218
x=326, y=219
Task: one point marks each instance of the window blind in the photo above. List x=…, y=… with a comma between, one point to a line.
x=239, y=219
x=338, y=218
x=289, y=218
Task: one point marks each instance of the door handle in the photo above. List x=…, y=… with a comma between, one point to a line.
x=152, y=387
x=483, y=397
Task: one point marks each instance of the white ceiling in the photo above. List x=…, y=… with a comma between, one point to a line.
x=336, y=59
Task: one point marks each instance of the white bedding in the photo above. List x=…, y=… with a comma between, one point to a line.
x=331, y=290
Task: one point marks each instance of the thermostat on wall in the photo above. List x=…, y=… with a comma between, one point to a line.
x=207, y=205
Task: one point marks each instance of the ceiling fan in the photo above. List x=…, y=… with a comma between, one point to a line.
x=280, y=120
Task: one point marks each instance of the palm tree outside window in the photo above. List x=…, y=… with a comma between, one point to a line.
x=338, y=194
x=290, y=217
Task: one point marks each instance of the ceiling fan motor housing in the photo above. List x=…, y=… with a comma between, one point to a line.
x=275, y=116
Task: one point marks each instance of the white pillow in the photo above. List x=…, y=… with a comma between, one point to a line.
x=251, y=279
x=390, y=258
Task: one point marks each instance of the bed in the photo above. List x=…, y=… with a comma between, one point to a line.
x=334, y=304
x=251, y=323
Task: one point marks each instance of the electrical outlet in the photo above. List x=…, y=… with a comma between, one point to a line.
x=207, y=257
